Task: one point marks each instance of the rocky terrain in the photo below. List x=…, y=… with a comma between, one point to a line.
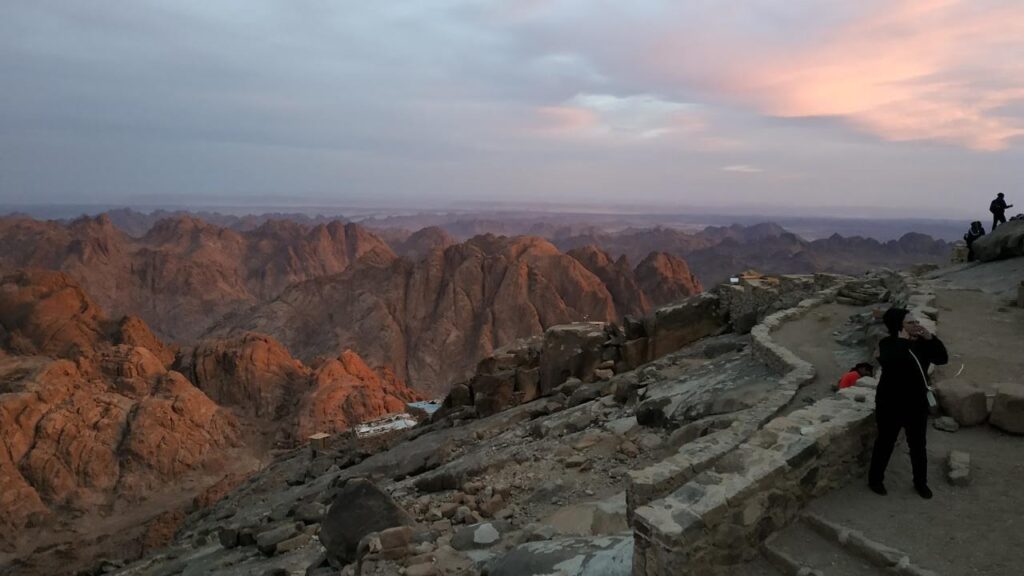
x=716, y=253
x=431, y=320
x=185, y=273
x=536, y=447
x=98, y=416
x=675, y=443
x=322, y=289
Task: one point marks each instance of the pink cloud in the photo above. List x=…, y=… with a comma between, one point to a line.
x=566, y=120
x=941, y=70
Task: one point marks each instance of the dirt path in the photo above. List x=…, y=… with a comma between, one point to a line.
x=985, y=338
x=976, y=530
x=812, y=339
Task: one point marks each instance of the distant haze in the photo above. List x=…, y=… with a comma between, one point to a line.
x=894, y=108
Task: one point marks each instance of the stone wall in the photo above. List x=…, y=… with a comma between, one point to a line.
x=664, y=477
x=730, y=492
x=537, y=367
x=721, y=516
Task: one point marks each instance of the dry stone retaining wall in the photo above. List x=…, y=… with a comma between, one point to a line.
x=730, y=500
x=662, y=478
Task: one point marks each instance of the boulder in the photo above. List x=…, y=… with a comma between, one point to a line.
x=527, y=385
x=1008, y=409
x=267, y=541
x=493, y=393
x=958, y=468
x=964, y=402
x=359, y=508
x=946, y=424
x=482, y=535
x=1006, y=241
x=680, y=324
x=570, y=350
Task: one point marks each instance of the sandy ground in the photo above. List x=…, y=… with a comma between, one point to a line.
x=985, y=338
x=972, y=531
x=811, y=338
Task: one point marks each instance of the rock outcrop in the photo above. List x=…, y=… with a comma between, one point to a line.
x=96, y=414
x=1006, y=241
x=184, y=273
x=431, y=321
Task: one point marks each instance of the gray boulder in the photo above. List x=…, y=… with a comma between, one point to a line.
x=964, y=402
x=358, y=509
x=1008, y=409
x=482, y=535
x=675, y=326
x=1007, y=241
x=570, y=350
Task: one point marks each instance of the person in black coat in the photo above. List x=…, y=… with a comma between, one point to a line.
x=998, y=209
x=901, y=400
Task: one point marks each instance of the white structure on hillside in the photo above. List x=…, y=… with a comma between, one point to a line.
x=389, y=423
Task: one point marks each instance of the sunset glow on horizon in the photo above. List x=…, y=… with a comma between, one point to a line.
x=912, y=104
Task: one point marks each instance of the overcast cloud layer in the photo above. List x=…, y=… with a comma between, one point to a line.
x=916, y=105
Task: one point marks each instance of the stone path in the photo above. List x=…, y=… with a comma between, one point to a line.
x=973, y=530
x=812, y=338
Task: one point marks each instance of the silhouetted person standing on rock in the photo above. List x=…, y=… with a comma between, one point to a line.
x=901, y=400
x=998, y=209
x=976, y=231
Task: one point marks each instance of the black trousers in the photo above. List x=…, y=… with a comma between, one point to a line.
x=889, y=425
x=997, y=219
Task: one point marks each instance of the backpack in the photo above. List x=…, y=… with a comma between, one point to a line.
x=994, y=206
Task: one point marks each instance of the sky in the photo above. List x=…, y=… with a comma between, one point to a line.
x=898, y=107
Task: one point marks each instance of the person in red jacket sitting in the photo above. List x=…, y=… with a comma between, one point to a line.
x=856, y=373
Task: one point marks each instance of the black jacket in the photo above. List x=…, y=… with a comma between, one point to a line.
x=901, y=389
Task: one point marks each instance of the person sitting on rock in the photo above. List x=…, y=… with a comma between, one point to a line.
x=901, y=400
x=998, y=209
x=856, y=373
x=976, y=231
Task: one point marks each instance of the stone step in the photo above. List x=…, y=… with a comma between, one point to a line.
x=798, y=549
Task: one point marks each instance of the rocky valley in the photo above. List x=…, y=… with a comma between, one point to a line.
x=267, y=332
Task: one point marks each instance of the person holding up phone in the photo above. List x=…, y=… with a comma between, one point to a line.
x=901, y=400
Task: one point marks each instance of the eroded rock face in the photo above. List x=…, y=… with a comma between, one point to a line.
x=85, y=421
x=432, y=320
x=76, y=441
x=184, y=273
x=665, y=278
x=252, y=372
x=344, y=391
x=47, y=313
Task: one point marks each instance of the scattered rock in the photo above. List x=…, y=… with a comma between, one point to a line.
x=959, y=468
x=267, y=541
x=359, y=508
x=946, y=424
x=293, y=543
x=228, y=537
x=481, y=535
x=310, y=512
x=1008, y=408
x=964, y=402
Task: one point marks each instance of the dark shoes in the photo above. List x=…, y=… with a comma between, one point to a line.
x=878, y=488
x=924, y=491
